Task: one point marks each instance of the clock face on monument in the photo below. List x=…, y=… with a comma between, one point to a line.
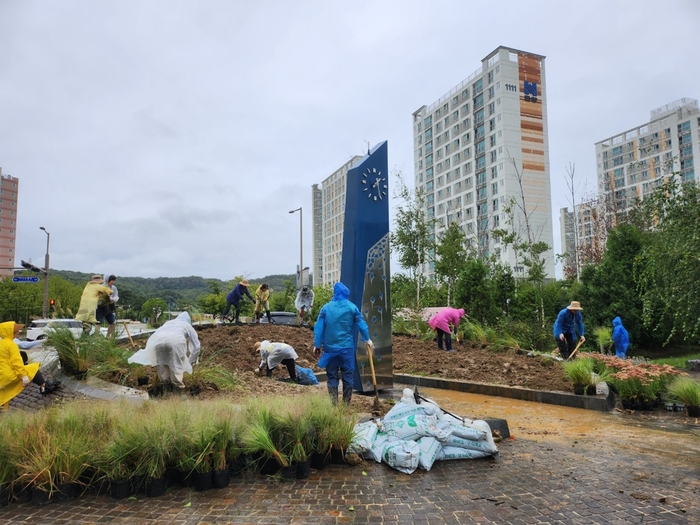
x=373, y=184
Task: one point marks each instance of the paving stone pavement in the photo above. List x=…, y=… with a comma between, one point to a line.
x=530, y=482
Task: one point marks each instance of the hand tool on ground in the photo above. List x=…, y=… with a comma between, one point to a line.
x=418, y=397
x=575, y=349
x=133, y=345
x=374, y=377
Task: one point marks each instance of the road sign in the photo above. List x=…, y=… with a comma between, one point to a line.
x=25, y=279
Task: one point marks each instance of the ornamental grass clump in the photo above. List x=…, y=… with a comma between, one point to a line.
x=263, y=435
x=298, y=433
x=579, y=371
x=685, y=390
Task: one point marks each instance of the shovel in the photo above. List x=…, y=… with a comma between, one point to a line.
x=130, y=339
x=575, y=350
x=375, y=407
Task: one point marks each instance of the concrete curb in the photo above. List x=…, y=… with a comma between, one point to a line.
x=599, y=403
x=99, y=389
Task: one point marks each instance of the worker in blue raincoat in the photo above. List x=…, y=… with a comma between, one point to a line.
x=333, y=332
x=621, y=338
x=569, y=322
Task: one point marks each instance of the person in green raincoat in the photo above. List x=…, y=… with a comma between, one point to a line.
x=14, y=374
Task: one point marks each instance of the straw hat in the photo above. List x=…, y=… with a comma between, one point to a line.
x=97, y=279
x=245, y=282
x=575, y=305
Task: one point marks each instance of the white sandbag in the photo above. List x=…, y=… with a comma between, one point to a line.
x=458, y=442
x=429, y=448
x=364, y=436
x=408, y=398
x=459, y=429
x=402, y=455
x=448, y=453
x=401, y=410
x=414, y=427
x=377, y=450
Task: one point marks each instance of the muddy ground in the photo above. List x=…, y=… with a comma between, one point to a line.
x=232, y=347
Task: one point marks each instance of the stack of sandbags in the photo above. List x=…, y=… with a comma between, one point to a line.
x=413, y=435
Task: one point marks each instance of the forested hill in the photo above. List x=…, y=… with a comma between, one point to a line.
x=173, y=289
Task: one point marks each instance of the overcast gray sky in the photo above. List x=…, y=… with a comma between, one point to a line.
x=171, y=138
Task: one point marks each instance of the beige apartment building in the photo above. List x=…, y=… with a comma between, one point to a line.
x=9, y=191
x=475, y=148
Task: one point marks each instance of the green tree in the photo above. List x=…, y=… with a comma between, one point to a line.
x=212, y=303
x=668, y=267
x=153, y=310
x=474, y=291
x=451, y=255
x=413, y=236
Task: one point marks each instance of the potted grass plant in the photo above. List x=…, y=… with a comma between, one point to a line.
x=223, y=440
x=685, y=390
x=261, y=438
x=69, y=431
x=299, y=434
x=155, y=447
x=603, y=335
x=35, y=453
x=322, y=419
x=342, y=432
x=579, y=372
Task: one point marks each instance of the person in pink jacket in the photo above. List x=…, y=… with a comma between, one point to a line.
x=441, y=322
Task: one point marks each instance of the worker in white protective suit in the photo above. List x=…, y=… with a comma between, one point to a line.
x=273, y=354
x=304, y=301
x=173, y=348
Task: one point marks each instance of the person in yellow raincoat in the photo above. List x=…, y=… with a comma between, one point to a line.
x=262, y=302
x=14, y=374
x=92, y=293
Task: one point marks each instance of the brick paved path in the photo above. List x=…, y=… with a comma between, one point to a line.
x=582, y=482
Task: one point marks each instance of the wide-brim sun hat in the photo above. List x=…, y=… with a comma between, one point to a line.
x=575, y=305
x=97, y=279
x=245, y=282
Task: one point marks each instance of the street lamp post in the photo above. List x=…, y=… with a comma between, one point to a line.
x=301, y=246
x=45, y=306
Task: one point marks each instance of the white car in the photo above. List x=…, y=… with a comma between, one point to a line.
x=37, y=330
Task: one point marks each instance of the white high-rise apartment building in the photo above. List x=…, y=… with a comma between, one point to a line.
x=483, y=144
x=9, y=191
x=328, y=221
x=632, y=163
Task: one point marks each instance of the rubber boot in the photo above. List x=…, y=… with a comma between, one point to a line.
x=333, y=392
x=347, y=394
x=269, y=317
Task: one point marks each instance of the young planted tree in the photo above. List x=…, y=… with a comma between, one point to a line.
x=413, y=236
x=451, y=256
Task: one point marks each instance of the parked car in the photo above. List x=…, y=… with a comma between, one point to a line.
x=37, y=329
x=288, y=318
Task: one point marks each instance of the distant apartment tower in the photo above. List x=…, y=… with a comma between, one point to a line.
x=9, y=191
x=472, y=145
x=328, y=221
x=632, y=163
x=582, y=235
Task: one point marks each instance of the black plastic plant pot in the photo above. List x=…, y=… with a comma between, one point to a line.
x=23, y=494
x=289, y=473
x=337, y=457
x=202, y=481
x=40, y=495
x=142, y=380
x=66, y=491
x=269, y=467
x=579, y=390
x=236, y=466
x=693, y=411
x=120, y=489
x=221, y=479
x=156, y=487
x=320, y=461
x=5, y=494
x=591, y=390
x=304, y=469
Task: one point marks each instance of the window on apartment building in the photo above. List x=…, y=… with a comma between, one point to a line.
x=441, y=208
x=437, y=112
x=492, y=92
x=438, y=127
x=447, y=163
x=479, y=86
x=498, y=117
x=465, y=123
x=455, y=116
x=429, y=160
x=513, y=57
x=479, y=116
x=469, y=198
x=455, y=130
x=493, y=156
x=447, y=121
x=494, y=204
x=448, y=148
x=455, y=144
x=428, y=134
x=458, y=187
x=470, y=182
x=439, y=167
x=466, y=137
x=492, y=125
x=440, y=181
x=457, y=158
x=455, y=101
x=445, y=108
x=492, y=108
x=489, y=76
x=494, y=172
x=498, y=101
x=458, y=172
x=496, y=221
x=428, y=122
x=492, y=141
x=465, y=92
x=494, y=188
x=429, y=186
x=468, y=167
x=429, y=174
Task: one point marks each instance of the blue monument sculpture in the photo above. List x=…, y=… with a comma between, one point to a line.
x=365, y=262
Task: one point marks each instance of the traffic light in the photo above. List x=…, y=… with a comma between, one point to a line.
x=31, y=267
x=52, y=305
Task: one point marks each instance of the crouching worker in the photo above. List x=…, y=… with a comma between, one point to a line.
x=14, y=374
x=334, y=332
x=273, y=354
x=173, y=348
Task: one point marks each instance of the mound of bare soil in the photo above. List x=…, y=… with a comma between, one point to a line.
x=232, y=347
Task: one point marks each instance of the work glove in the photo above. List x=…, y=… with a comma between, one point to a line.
x=369, y=344
x=25, y=380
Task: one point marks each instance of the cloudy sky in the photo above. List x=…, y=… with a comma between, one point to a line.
x=171, y=138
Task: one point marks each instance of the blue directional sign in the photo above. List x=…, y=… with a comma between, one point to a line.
x=25, y=279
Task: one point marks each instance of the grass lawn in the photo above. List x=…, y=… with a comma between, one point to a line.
x=678, y=362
